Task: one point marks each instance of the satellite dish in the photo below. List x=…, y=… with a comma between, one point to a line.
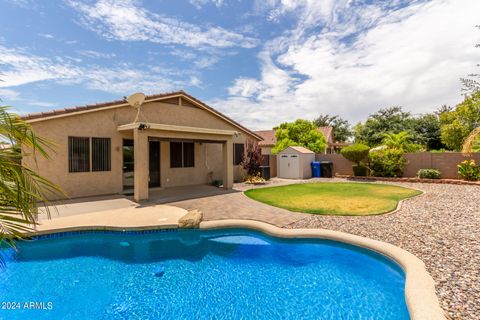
x=136, y=100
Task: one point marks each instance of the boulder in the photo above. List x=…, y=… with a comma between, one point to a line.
x=191, y=220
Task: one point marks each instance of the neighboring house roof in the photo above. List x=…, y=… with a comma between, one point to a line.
x=269, y=136
x=40, y=116
x=328, y=133
x=297, y=149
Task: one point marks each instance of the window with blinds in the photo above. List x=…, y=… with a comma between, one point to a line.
x=101, y=154
x=83, y=151
x=78, y=154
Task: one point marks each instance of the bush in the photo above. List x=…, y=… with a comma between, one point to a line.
x=356, y=152
x=252, y=158
x=387, y=163
x=429, y=174
x=468, y=170
x=360, y=170
x=254, y=179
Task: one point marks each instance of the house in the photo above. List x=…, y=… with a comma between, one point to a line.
x=177, y=141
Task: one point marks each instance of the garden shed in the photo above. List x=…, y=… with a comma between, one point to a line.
x=294, y=163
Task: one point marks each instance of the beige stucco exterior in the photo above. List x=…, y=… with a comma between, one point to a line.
x=213, y=136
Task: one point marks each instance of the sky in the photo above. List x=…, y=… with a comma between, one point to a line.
x=261, y=62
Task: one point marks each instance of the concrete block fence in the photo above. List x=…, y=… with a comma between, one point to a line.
x=446, y=162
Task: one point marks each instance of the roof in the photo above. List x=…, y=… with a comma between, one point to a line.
x=33, y=117
x=298, y=149
x=328, y=133
x=269, y=136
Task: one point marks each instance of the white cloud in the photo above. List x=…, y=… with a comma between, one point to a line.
x=96, y=54
x=411, y=56
x=195, y=81
x=9, y=94
x=13, y=97
x=19, y=68
x=201, y=3
x=46, y=35
x=125, y=20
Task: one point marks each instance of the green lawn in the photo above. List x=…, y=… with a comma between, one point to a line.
x=336, y=198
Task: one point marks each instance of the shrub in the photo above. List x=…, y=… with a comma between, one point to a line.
x=387, y=163
x=360, y=170
x=468, y=170
x=252, y=158
x=429, y=174
x=254, y=179
x=356, y=152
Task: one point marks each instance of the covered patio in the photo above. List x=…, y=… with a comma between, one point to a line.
x=144, y=133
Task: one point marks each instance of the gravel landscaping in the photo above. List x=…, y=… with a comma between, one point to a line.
x=441, y=227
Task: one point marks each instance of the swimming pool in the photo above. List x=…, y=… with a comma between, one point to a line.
x=178, y=274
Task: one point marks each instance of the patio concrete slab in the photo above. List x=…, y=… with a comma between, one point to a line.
x=78, y=206
x=131, y=217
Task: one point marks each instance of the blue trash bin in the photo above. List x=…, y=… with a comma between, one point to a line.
x=315, y=169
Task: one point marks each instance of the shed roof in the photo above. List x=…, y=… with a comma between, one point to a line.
x=296, y=149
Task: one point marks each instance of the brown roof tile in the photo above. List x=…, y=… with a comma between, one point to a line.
x=38, y=115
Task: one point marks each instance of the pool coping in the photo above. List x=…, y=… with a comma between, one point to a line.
x=420, y=296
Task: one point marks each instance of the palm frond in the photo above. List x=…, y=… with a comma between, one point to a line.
x=471, y=141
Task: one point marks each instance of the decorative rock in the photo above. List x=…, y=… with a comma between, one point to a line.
x=441, y=227
x=191, y=220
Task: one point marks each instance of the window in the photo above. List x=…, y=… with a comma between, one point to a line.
x=101, y=154
x=182, y=154
x=238, y=151
x=78, y=154
x=188, y=154
x=176, y=155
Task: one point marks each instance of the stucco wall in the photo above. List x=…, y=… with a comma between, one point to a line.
x=446, y=162
x=104, y=123
x=340, y=164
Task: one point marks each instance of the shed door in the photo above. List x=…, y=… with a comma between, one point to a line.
x=289, y=166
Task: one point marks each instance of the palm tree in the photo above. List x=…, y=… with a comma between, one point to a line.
x=22, y=190
x=399, y=141
x=472, y=142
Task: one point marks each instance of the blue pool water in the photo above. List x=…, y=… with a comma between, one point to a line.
x=222, y=274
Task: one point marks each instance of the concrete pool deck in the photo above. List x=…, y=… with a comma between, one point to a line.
x=129, y=217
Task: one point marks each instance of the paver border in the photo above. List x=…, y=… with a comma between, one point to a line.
x=422, y=302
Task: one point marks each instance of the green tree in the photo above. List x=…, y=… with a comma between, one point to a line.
x=341, y=127
x=299, y=133
x=389, y=120
x=401, y=141
x=426, y=131
x=457, y=124
x=21, y=188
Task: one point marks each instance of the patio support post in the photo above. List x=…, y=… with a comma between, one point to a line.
x=140, y=153
x=227, y=149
